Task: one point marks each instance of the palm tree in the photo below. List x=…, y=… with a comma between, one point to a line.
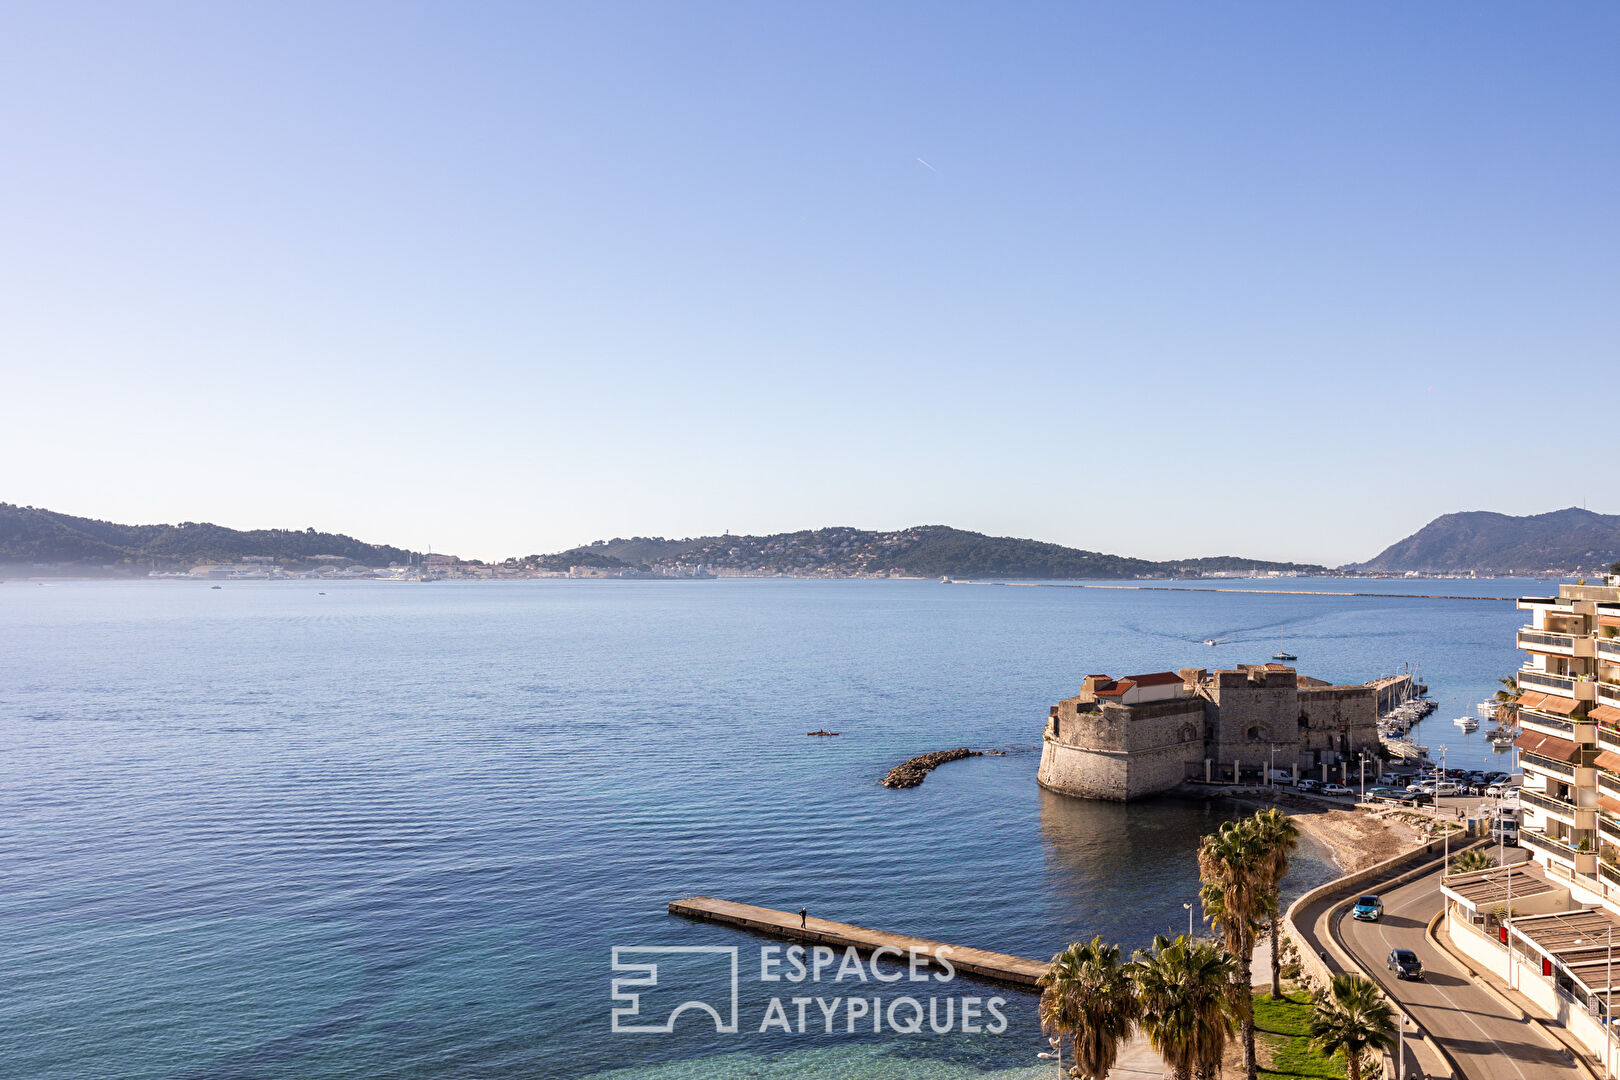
x=1232, y=864
x=1182, y=988
x=1352, y=1017
x=1087, y=995
x=1474, y=859
x=1280, y=836
x=1507, y=698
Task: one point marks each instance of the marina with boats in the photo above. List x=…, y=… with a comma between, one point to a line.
x=1395, y=726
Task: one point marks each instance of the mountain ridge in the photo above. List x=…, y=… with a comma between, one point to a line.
x=35, y=536
x=1483, y=541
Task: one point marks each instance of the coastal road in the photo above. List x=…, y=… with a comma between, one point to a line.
x=1488, y=1038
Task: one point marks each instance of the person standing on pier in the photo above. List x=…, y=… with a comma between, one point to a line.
x=804, y=913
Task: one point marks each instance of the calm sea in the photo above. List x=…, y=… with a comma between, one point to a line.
x=290, y=830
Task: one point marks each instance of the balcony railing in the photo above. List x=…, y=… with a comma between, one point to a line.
x=1557, y=725
x=1543, y=641
x=1547, y=764
x=1609, y=829
x=1608, y=694
x=1546, y=680
x=1543, y=842
x=1608, y=737
x=1547, y=802
x=1608, y=783
x=1609, y=649
x=1610, y=873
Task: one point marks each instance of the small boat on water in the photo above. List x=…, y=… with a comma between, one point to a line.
x=1210, y=641
x=1486, y=709
x=1467, y=723
x=1282, y=653
x=818, y=731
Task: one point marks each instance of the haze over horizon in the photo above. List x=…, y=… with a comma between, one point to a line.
x=1159, y=281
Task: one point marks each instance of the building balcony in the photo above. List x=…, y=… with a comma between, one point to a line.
x=1610, y=874
x=1555, y=644
x=1542, y=842
x=1546, y=765
x=1607, y=649
x=1610, y=830
x=1545, y=603
x=1561, y=726
x=1560, y=808
x=1608, y=694
x=1546, y=681
x=1608, y=738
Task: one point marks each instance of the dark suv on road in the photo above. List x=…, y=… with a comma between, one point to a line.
x=1405, y=964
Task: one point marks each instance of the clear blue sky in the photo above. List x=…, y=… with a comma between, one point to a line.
x=1276, y=279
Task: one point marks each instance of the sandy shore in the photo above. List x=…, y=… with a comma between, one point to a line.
x=1354, y=839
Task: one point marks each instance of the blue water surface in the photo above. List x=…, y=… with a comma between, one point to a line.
x=300, y=830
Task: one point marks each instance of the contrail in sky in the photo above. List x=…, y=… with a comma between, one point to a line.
x=929, y=167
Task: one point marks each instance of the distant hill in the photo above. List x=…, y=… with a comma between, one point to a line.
x=29, y=535
x=32, y=536
x=921, y=551
x=1481, y=541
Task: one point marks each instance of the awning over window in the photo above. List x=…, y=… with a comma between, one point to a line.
x=1530, y=699
x=1548, y=746
x=1609, y=760
x=1605, y=714
x=1562, y=705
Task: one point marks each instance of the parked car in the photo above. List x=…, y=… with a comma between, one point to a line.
x=1418, y=798
x=1336, y=789
x=1310, y=787
x=1405, y=964
x=1368, y=909
x=1447, y=787
x=1281, y=776
x=1384, y=793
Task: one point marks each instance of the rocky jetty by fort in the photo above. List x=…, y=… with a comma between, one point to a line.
x=913, y=772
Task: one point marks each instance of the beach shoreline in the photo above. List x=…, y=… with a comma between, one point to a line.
x=1352, y=838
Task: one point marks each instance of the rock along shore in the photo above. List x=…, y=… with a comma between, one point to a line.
x=913, y=772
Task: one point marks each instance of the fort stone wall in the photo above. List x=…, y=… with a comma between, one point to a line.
x=1113, y=752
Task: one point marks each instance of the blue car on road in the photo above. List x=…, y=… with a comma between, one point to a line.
x=1368, y=909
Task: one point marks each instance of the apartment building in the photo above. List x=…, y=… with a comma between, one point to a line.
x=1569, y=709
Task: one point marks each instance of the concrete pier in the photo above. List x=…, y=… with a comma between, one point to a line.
x=981, y=964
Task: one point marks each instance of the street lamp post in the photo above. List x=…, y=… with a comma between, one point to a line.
x=1446, y=859
x=1513, y=960
x=1400, y=1053
x=1363, y=758
x=1189, y=908
x=1057, y=1048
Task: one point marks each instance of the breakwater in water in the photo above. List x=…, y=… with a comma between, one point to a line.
x=913, y=772
x=994, y=966
x=1213, y=589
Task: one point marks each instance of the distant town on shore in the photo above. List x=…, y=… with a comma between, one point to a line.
x=39, y=542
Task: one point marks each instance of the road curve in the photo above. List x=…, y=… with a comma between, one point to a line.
x=1488, y=1039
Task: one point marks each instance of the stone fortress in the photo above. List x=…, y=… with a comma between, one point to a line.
x=1127, y=738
